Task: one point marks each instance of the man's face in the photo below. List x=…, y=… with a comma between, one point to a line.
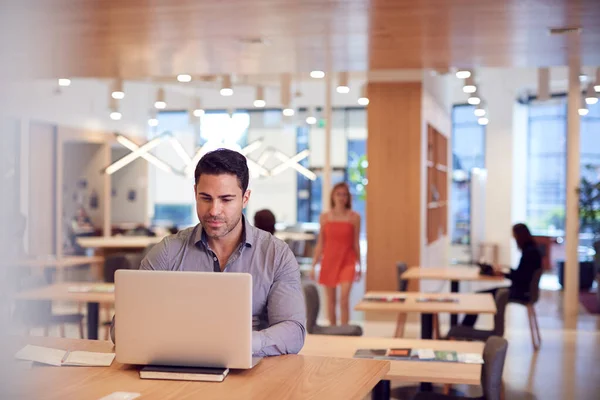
x=219, y=203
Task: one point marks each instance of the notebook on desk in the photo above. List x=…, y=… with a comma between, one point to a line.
x=437, y=300
x=58, y=357
x=385, y=299
x=184, y=373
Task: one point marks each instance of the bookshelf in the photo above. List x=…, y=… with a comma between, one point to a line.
x=437, y=185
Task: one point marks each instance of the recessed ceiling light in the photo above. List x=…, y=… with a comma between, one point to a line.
x=363, y=101
x=64, y=82
x=317, y=74
x=463, y=74
x=115, y=115
x=288, y=112
x=483, y=121
x=184, y=78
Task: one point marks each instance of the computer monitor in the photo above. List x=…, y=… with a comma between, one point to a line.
x=177, y=318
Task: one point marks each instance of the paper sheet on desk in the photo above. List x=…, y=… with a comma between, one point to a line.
x=57, y=357
x=42, y=355
x=89, y=359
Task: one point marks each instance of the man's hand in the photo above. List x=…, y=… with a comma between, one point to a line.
x=311, y=274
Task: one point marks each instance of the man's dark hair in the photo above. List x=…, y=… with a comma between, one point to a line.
x=224, y=161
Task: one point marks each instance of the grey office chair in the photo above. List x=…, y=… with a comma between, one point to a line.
x=534, y=295
x=494, y=355
x=460, y=332
x=112, y=264
x=311, y=296
x=38, y=313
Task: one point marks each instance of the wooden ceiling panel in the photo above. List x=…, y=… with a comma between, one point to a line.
x=147, y=38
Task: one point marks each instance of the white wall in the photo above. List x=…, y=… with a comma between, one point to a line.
x=83, y=161
x=39, y=179
x=133, y=177
x=435, y=112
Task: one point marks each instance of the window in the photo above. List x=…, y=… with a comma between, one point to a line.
x=468, y=152
x=348, y=160
x=171, y=196
x=546, y=166
x=547, y=161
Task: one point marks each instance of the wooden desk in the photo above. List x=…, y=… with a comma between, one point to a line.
x=284, y=377
x=405, y=371
x=454, y=274
x=59, y=263
x=468, y=303
x=457, y=273
x=298, y=236
x=60, y=291
x=119, y=242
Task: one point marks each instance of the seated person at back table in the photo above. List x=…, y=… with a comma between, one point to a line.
x=265, y=220
x=224, y=241
x=531, y=261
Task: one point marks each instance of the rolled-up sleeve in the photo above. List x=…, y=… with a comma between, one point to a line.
x=286, y=311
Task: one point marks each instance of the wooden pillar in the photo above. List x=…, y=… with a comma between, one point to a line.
x=571, y=272
x=394, y=150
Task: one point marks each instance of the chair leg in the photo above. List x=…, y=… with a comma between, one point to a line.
x=400, y=323
x=447, y=388
x=536, y=325
x=81, y=335
x=530, y=317
x=436, y=327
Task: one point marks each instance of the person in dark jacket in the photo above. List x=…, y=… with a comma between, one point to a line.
x=531, y=261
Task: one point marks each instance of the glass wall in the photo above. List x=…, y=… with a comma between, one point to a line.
x=547, y=157
x=289, y=194
x=468, y=152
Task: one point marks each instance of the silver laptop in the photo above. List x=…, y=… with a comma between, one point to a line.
x=196, y=319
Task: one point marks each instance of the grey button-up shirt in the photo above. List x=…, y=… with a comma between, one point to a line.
x=278, y=308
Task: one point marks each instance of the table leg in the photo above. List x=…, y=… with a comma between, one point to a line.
x=426, y=333
x=93, y=310
x=426, y=326
x=454, y=288
x=381, y=391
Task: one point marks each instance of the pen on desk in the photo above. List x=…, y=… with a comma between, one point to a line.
x=65, y=357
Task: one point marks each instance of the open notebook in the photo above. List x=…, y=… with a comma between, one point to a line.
x=57, y=357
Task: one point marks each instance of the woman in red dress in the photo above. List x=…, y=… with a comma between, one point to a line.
x=339, y=252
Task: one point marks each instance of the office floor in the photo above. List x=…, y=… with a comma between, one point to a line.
x=566, y=367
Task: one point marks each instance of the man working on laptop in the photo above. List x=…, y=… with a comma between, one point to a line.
x=224, y=241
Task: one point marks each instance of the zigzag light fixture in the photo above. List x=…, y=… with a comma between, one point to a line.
x=256, y=168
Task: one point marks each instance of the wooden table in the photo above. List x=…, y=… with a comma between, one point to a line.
x=59, y=263
x=60, y=291
x=468, y=303
x=404, y=371
x=104, y=246
x=284, y=377
x=454, y=274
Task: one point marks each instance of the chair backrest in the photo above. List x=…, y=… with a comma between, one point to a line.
x=534, y=290
x=311, y=297
x=401, y=267
x=501, y=302
x=114, y=262
x=494, y=354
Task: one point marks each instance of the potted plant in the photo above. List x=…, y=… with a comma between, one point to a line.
x=589, y=214
x=589, y=210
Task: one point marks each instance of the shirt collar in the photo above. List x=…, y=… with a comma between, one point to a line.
x=247, y=234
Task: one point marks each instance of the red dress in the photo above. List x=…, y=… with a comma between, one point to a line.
x=339, y=258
